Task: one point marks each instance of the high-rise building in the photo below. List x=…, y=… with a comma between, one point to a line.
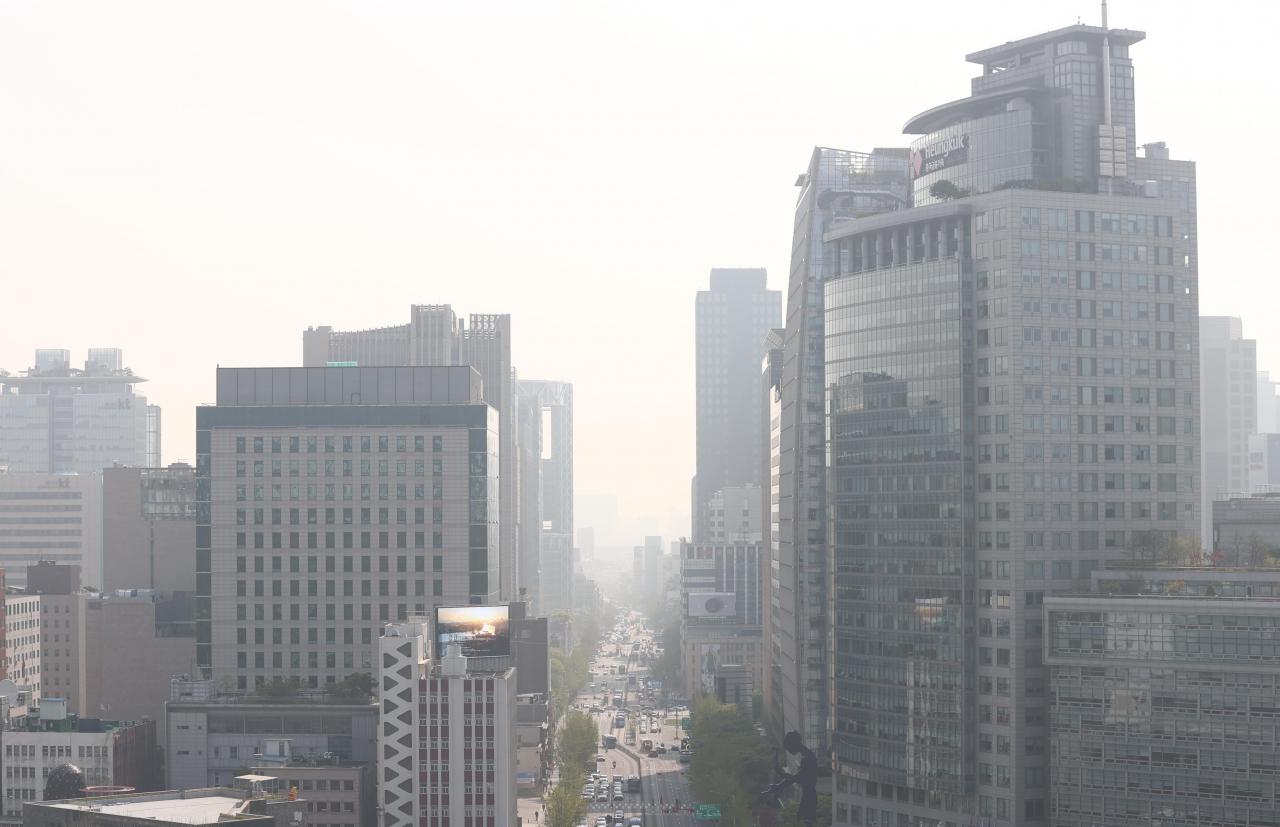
x=53, y=517
x=1012, y=387
x=332, y=500
x=431, y=752
x=546, y=454
x=652, y=567
x=587, y=543
x=837, y=186
x=56, y=419
x=733, y=318
x=435, y=336
x=1228, y=365
x=1268, y=404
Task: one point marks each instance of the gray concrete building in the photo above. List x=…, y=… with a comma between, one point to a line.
x=331, y=500
x=1246, y=527
x=59, y=419
x=1264, y=463
x=732, y=319
x=1268, y=421
x=211, y=736
x=1228, y=363
x=436, y=336
x=546, y=471
x=1012, y=393
x=1161, y=708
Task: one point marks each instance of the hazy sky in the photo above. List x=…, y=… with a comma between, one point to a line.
x=197, y=183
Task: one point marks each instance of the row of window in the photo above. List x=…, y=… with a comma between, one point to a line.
x=1035, y=452
x=366, y=491
x=348, y=468
x=330, y=564
x=1087, y=424
x=331, y=514
x=294, y=444
x=330, y=611
x=1087, y=482
x=384, y=539
x=1085, y=395
x=331, y=589
x=1087, y=221
x=1081, y=251
x=1085, y=540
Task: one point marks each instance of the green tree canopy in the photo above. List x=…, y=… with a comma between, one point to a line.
x=576, y=743
x=564, y=805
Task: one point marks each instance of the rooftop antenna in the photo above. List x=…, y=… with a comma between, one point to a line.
x=1106, y=68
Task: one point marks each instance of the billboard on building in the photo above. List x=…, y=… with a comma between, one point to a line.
x=704, y=605
x=479, y=631
x=710, y=665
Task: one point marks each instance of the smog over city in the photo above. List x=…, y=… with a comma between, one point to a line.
x=594, y=414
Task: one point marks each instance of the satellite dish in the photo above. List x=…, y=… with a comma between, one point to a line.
x=10, y=690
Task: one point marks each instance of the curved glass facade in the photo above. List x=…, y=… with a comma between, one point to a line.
x=1006, y=146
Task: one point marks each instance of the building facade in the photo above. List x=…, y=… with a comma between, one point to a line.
x=149, y=529
x=1264, y=462
x=837, y=186
x=1161, y=710
x=336, y=793
x=332, y=500
x=212, y=736
x=56, y=419
x=1012, y=385
x=449, y=740
x=53, y=517
x=436, y=336
x=546, y=455
x=733, y=318
x=110, y=752
x=1228, y=363
x=735, y=514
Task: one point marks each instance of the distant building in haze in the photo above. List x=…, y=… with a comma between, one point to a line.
x=58, y=419
x=732, y=320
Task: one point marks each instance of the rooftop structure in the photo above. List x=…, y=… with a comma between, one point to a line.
x=182, y=808
x=59, y=419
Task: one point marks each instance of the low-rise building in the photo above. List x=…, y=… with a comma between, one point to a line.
x=337, y=793
x=212, y=735
x=1160, y=710
x=1246, y=528
x=103, y=652
x=172, y=808
x=449, y=735
x=111, y=753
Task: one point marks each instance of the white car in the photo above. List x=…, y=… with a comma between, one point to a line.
x=617, y=794
x=617, y=817
x=603, y=796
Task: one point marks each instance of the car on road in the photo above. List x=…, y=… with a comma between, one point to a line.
x=617, y=794
x=634, y=821
x=617, y=816
x=600, y=759
x=603, y=796
x=601, y=821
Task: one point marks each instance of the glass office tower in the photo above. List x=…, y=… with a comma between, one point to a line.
x=1012, y=402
